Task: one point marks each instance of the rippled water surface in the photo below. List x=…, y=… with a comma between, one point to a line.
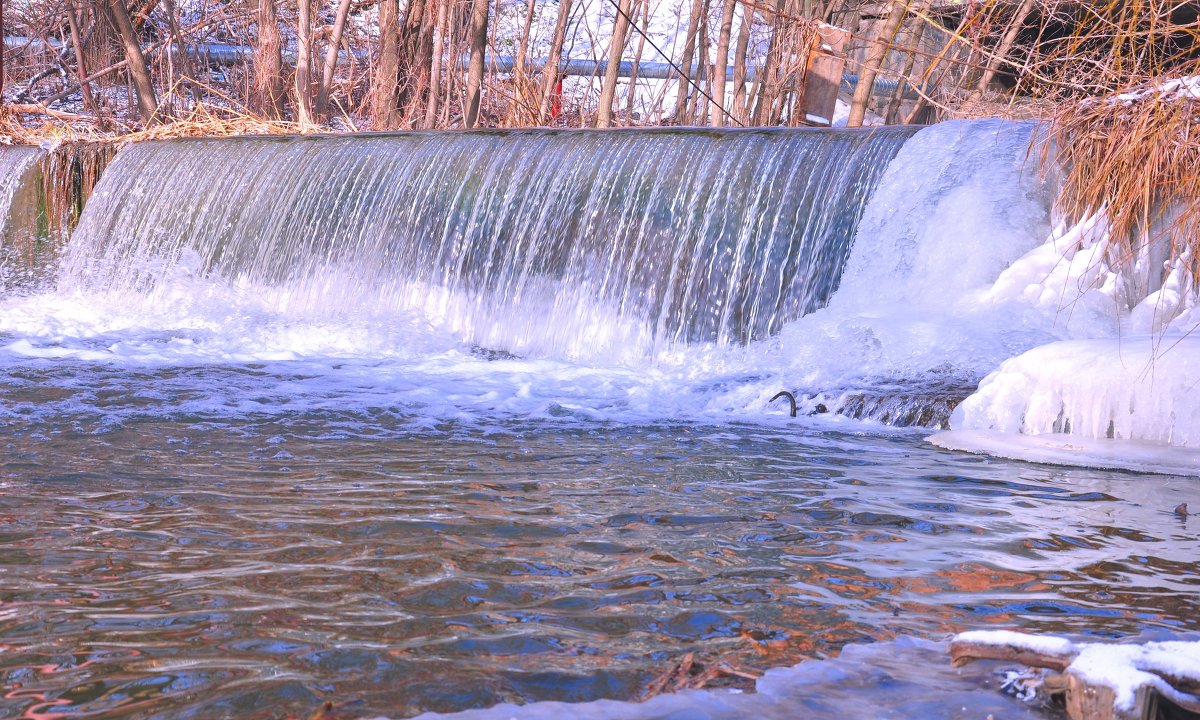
x=160, y=562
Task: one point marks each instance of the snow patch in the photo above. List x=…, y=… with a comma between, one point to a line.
x=1041, y=644
x=1125, y=668
x=1122, y=667
x=1185, y=88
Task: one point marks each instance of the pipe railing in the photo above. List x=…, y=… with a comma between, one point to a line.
x=226, y=54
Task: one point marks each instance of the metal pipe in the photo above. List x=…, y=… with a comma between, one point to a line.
x=227, y=54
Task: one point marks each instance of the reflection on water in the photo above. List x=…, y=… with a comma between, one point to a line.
x=189, y=565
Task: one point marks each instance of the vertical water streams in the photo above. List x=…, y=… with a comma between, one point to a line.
x=560, y=242
x=18, y=210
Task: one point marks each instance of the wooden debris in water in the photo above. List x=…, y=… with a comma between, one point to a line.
x=688, y=674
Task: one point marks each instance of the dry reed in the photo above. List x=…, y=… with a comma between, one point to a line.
x=1094, y=71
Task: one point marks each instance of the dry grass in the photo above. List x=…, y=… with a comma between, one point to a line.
x=209, y=121
x=1137, y=159
x=201, y=121
x=1140, y=162
x=34, y=124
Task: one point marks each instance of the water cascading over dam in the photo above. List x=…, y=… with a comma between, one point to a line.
x=560, y=242
x=42, y=193
x=730, y=264
x=18, y=208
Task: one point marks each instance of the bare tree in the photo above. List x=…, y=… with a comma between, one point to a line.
x=416, y=52
x=550, y=72
x=703, y=74
x=386, y=115
x=685, y=62
x=717, y=116
x=765, y=87
x=478, y=39
x=181, y=52
x=268, y=62
x=135, y=61
x=740, y=111
x=608, y=90
x=435, y=72
x=80, y=65
x=523, y=45
x=874, y=59
x=644, y=12
x=1000, y=54
x=892, y=114
x=304, y=109
x=331, y=57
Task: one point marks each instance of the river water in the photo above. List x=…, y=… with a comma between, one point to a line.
x=184, y=563
x=253, y=462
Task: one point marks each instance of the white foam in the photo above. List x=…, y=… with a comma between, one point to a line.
x=929, y=286
x=955, y=269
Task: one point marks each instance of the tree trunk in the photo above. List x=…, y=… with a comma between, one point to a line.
x=740, y=110
x=764, y=88
x=331, y=57
x=435, y=69
x=525, y=93
x=1001, y=52
x=135, y=61
x=608, y=90
x=386, y=116
x=268, y=62
x=893, y=109
x=870, y=67
x=80, y=65
x=792, y=45
x=717, y=116
x=304, y=109
x=685, y=62
x=703, y=71
x=479, y=27
x=523, y=46
x=416, y=51
x=550, y=72
x=643, y=10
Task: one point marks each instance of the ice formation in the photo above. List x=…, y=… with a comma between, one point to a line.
x=1118, y=391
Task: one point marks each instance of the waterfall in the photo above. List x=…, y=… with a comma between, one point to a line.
x=42, y=194
x=69, y=172
x=910, y=332
x=18, y=211
x=552, y=241
x=875, y=274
